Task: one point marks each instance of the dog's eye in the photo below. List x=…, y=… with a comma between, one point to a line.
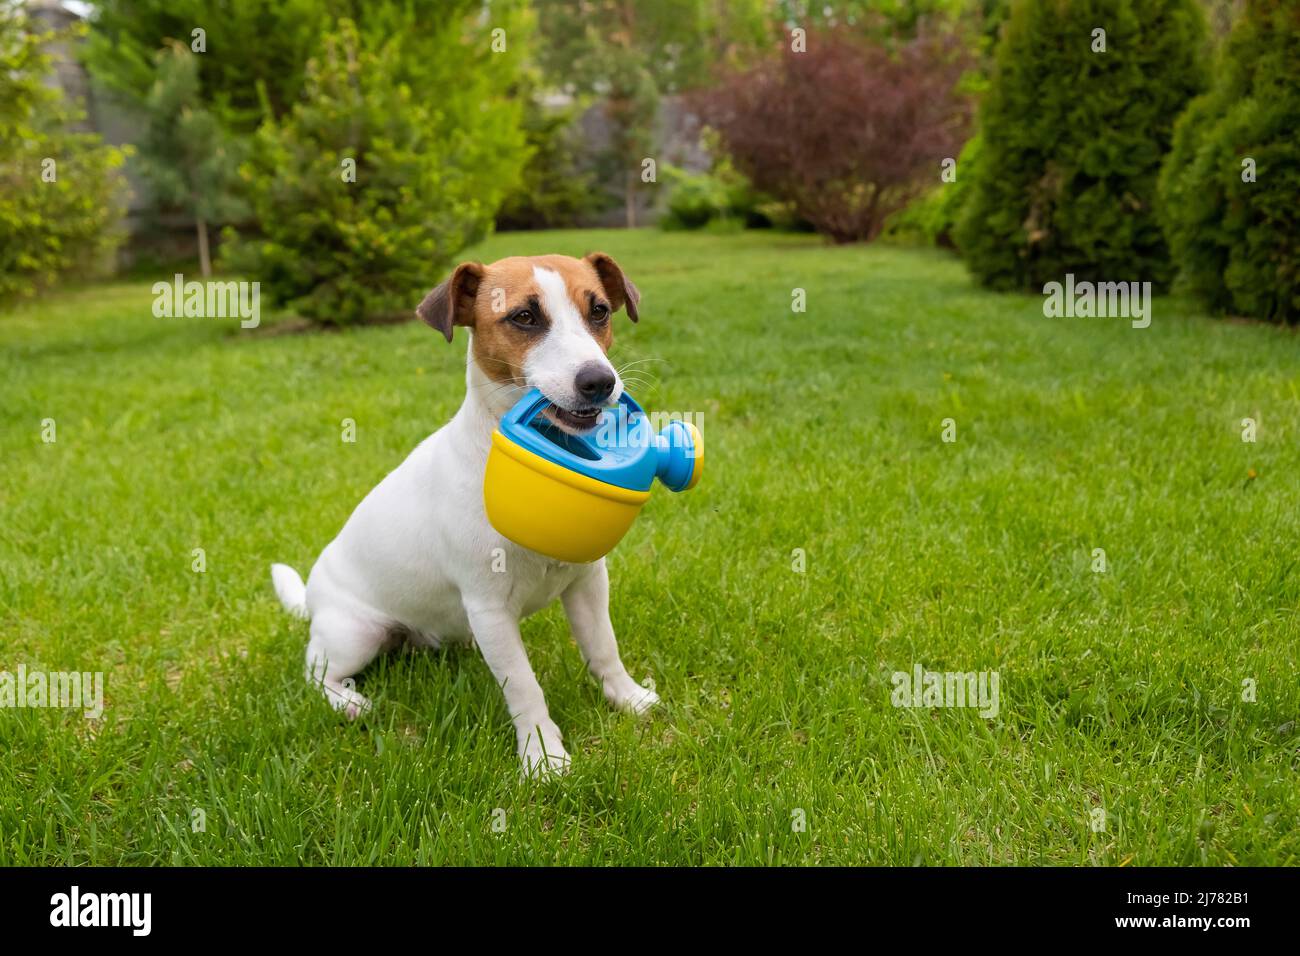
x=526, y=318
x=600, y=313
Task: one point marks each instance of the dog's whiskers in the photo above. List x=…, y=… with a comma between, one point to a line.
x=642, y=361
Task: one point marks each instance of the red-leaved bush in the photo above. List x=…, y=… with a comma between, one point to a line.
x=848, y=131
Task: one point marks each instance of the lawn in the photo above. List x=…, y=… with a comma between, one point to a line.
x=1120, y=691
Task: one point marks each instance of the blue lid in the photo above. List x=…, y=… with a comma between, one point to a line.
x=621, y=450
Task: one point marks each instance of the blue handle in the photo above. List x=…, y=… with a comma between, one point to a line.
x=676, y=450
x=621, y=450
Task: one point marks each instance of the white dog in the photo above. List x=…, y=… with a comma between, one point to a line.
x=415, y=561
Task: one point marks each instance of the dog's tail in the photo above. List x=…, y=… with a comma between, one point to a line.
x=290, y=590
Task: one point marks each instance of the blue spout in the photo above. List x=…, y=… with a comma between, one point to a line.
x=677, y=455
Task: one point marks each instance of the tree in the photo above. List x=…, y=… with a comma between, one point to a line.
x=881, y=18
x=59, y=208
x=1076, y=123
x=254, y=52
x=848, y=132
x=556, y=189
x=1229, y=189
x=186, y=155
x=631, y=53
x=251, y=55
x=1221, y=15
x=373, y=181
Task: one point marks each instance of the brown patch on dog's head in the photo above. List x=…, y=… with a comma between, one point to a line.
x=452, y=302
x=622, y=293
x=508, y=294
x=506, y=307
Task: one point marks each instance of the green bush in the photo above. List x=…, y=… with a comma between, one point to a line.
x=721, y=198
x=931, y=219
x=1238, y=241
x=555, y=190
x=693, y=199
x=254, y=51
x=59, y=191
x=434, y=157
x=1065, y=180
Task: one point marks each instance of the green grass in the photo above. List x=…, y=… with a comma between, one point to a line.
x=1120, y=690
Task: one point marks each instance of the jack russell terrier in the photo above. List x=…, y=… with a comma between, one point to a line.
x=415, y=561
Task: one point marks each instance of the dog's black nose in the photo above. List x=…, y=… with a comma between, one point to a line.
x=594, y=382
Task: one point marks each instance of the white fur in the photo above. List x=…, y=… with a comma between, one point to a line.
x=553, y=363
x=417, y=557
x=290, y=590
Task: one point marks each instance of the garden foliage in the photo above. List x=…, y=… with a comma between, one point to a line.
x=61, y=197
x=848, y=132
x=1073, y=135
x=1230, y=189
x=369, y=187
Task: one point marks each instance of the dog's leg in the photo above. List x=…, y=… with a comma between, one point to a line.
x=586, y=602
x=497, y=634
x=341, y=646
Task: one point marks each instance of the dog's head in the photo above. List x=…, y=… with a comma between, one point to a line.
x=543, y=322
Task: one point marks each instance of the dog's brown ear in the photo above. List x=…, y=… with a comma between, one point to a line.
x=617, y=286
x=452, y=303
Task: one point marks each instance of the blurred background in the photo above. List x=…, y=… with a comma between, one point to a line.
x=344, y=152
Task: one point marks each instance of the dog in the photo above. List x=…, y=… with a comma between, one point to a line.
x=418, y=562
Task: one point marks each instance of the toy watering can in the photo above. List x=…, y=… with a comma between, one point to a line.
x=573, y=497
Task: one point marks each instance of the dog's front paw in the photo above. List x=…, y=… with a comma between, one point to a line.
x=542, y=754
x=630, y=696
x=345, y=699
